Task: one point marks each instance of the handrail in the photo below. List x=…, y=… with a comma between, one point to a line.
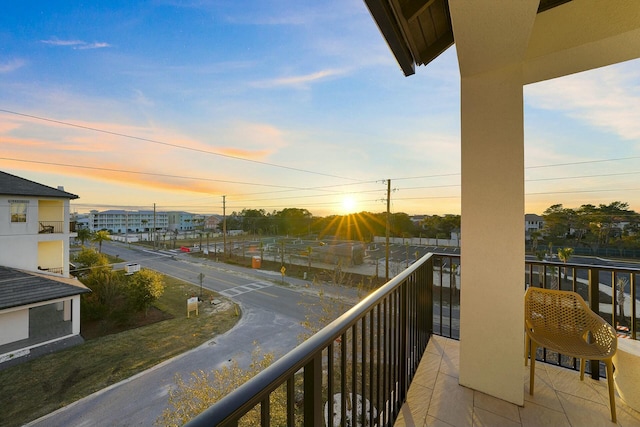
x=308, y=355
x=395, y=323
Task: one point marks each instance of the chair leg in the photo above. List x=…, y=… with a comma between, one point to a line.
x=612, y=394
x=527, y=345
x=532, y=369
x=582, y=364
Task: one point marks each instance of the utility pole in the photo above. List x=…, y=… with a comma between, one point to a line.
x=224, y=227
x=201, y=276
x=386, y=254
x=153, y=234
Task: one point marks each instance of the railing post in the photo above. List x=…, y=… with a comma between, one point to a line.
x=313, y=392
x=594, y=304
x=403, y=343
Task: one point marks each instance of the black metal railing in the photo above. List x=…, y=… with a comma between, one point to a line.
x=609, y=290
x=373, y=350
x=361, y=364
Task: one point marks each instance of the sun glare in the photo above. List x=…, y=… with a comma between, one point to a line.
x=348, y=204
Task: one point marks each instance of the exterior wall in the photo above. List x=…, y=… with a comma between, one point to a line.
x=15, y=326
x=16, y=322
x=29, y=247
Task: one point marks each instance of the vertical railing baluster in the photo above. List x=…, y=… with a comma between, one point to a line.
x=363, y=380
x=403, y=344
x=291, y=401
x=632, y=289
x=594, y=304
x=343, y=380
x=313, y=392
x=330, y=385
x=354, y=371
x=371, y=378
x=379, y=361
x=265, y=409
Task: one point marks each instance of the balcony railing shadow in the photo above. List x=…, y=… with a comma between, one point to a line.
x=357, y=370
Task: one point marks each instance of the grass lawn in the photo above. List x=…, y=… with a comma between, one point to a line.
x=36, y=388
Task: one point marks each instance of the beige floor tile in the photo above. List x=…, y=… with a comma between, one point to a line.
x=496, y=406
x=576, y=410
x=533, y=415
x=568, y=381
x=450, y=367
x=543, y=394
x=434, y=422
x=428, y=370
x=451, y=402
x=436, y=344
x=483, y=418
x=627, y=417
x=414, y=410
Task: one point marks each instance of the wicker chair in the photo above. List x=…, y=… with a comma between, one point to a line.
x=562, y=322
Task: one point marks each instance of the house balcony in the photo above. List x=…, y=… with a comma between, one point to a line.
x=393, y=359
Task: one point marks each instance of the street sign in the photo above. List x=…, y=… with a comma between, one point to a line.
x=192, y=305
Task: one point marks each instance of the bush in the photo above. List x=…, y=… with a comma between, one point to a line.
x=143, y=288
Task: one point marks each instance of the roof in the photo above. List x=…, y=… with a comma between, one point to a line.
x=18, y=288
x=16, y=186
x=418, y=31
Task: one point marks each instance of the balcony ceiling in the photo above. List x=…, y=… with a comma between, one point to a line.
x=418, y=31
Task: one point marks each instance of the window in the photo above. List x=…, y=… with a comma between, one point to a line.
x=18, y=210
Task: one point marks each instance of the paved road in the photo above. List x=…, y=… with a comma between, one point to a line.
x=271, y=314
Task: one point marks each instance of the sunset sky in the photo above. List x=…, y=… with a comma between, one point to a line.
x=277, y=104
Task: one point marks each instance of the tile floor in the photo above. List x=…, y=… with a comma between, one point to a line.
x=436, y=400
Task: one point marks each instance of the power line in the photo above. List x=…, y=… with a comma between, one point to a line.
x=168, y=144
x=151, y=173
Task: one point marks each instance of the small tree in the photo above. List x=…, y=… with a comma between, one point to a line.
x=190, y=398
x=564, y=254
x=144, y=287
x=83, y=235
x=88, y=259
x=99, y=237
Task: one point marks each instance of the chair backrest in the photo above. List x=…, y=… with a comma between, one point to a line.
x=563, y=316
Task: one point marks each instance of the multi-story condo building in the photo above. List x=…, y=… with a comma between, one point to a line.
x=124, y=221
x=39, y=302
x=181, y=221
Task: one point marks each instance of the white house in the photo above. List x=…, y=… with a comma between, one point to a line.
x=39, y=303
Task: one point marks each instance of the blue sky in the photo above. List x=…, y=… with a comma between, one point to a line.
x=277, y=104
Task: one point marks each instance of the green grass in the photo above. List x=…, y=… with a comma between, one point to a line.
x=38, y=387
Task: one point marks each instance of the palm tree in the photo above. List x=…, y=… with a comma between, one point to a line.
x=99, y=237
x=564, y=254
x=83, y=235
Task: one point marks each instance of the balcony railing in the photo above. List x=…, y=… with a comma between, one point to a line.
x=47, y=227
x=364, y=361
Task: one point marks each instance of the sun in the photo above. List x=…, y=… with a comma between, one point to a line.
x=348, y=204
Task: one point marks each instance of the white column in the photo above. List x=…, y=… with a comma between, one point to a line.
x=491, y=315
x=75, y=315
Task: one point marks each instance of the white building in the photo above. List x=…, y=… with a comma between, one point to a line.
x=39, y=302
x=118, y=221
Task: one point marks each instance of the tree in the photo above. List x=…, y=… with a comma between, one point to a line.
x=144, y=287
x=189, y=398
x=563, y=255
x=557, y=223
x=99, y=237
x=84, y=234
x=88, y=259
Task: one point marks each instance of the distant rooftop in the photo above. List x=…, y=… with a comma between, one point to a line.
x=16, y=186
